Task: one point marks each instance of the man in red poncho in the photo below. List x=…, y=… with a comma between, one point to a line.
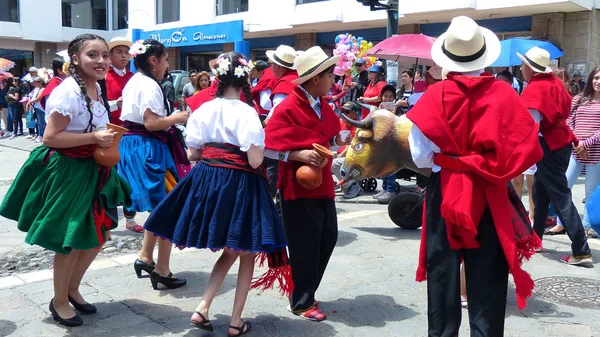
x=117, y=76
x=476, y=135
x=55, y=81
x=546, y=97
x=261, y=93
x=309, y=215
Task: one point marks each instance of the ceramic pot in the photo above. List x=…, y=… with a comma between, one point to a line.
x=109, y=156
x=310, y=177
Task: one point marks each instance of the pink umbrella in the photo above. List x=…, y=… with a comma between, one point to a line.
x=405, y=48
x=6, y=65
x=5, y=74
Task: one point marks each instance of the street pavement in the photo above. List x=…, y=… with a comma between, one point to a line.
x=369, y=289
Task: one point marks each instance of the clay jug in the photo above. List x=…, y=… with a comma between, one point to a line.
x=310, y=177
x=109, y=156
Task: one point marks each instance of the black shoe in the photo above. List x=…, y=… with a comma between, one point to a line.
x=140, y=265
x=169, y=281
x=73, y=321
x=83, y=308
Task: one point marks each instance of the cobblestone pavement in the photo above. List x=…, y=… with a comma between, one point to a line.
x=368, y=289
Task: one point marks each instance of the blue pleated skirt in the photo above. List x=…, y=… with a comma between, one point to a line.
x=215, y=208
x=144, y=164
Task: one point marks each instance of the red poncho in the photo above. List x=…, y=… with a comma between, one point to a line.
x=486, y=137
x=547, y=94
x=284, y=84
x=296, y=126
x=114, y=90
x=52, y=84
x=206, y=95
x=266, y=82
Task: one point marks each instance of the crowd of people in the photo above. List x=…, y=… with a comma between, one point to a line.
x=251, y=125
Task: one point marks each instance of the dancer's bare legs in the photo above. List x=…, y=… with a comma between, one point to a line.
x=530, y=195
x=242, y=288
x=146, y=254
x=63, y=266
x=81, y=265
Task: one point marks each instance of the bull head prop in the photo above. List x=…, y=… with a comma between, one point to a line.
x=380, y=146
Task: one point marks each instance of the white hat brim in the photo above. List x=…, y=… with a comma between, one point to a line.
x=270, y=54
x=114, y=44
x=492, y=52
x=322, y=67
x=524, y=60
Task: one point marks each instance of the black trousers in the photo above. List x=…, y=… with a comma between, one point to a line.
x=311, y=230
x=550, y=186
x=486, y=273
x=272, y=167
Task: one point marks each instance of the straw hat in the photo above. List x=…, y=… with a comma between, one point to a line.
x=284, y=56
x=465, y=46
x=435, y=72
x=537, y=59
x=119, y=41
x=313, y=62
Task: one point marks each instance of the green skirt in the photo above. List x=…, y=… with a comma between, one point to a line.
x=52, y=200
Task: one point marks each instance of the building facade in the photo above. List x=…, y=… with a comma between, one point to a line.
x=32, y=31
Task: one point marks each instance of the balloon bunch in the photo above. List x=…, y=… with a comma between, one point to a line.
x=363, y=47
x=347, y=47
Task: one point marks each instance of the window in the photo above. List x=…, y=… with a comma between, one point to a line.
x=231, y=6
x=9, y=10
x=167, y=11
x=88, y=14
x=120, y=9
x=300, y=2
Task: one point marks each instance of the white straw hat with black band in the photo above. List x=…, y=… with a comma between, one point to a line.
x=284, y=56
x=537, y=59
x=119, y=41
x=465, y=46
x=313, y=62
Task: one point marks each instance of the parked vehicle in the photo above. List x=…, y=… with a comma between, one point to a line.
x=180, y=79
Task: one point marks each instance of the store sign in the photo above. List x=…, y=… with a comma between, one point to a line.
x=223, y=32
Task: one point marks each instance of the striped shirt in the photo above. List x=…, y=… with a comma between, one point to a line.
x=585, y=123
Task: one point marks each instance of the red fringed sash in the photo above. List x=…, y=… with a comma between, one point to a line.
x=101, y=219
x=229, y=156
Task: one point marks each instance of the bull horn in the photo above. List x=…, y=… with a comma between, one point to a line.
x=366, y=123
x=369, y=107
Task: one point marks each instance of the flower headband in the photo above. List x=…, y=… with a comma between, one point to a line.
x=138, y=48
x=223, y=64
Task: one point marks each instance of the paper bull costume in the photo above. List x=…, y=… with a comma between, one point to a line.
x=380, y=146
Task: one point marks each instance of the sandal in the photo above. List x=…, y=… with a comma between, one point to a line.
x=572, y=260
x=204, y=324
x=244, y=329
x=550, y=232
x=313, y=314
x=133, y=226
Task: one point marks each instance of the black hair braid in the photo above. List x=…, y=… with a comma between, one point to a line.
x=104, y=95
x=74, y=49
x=157, y=49
x=248, y=94
x=83, y=88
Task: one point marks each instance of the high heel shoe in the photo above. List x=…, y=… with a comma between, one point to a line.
x=83, y=308
x=140, y=265
x=73, y=321
x=169, y=281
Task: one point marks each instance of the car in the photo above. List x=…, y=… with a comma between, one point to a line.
x=180, y=79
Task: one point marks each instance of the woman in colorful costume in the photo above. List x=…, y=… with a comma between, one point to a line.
x=65, y=201
x=309, y=215
x=224, y=203
x=152, y=160
x=475, y=144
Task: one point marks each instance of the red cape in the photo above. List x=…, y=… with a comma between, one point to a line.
x=486, y=137
x=206, y=95
x=114, y=90
x=284, y=84
x=266, y=82
x=547, y=94
x=296, y=126
x=52, y=84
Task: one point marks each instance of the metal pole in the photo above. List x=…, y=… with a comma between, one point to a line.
x=392, y=29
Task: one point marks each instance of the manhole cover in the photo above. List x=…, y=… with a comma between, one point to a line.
x=573, y=291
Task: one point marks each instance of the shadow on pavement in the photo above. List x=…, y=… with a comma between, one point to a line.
x=366, y=310
x=196, y=282
x=536, y=308
x=392, y=233
x=345, y=238
x=7, y=327
x=287, y=326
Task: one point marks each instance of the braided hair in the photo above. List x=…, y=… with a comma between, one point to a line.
x=74, y=49
x=141, y=61
x=230, y=79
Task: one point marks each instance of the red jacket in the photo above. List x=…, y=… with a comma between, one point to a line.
x=296, y=126
x=203, y=96
x=547, y=94
x=284, y=84
x=54, y=82
x=114, y=90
